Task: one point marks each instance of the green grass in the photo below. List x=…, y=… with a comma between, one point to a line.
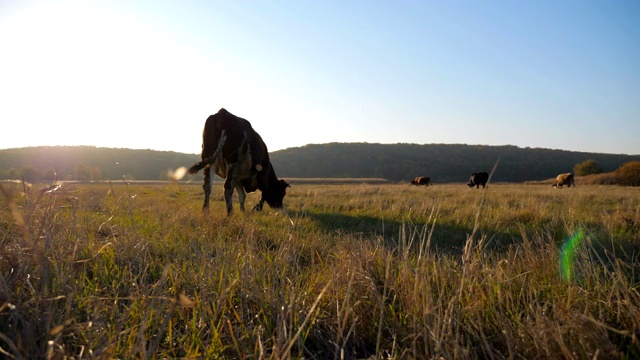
x=347, y=271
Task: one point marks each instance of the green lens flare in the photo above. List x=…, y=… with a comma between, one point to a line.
x=567, y=254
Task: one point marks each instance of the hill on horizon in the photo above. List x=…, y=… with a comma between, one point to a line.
x=92, y=163
x=394, y=162
x=441, y=162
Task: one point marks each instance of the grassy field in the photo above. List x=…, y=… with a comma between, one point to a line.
x=347, y=271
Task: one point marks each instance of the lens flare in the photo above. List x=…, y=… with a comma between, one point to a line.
x=567, y=254
x=178, y=174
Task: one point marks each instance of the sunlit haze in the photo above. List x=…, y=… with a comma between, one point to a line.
x=146, y=74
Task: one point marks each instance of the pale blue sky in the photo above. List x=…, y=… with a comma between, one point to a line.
x=146, y=74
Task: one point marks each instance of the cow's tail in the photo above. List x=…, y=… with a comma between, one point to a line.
x=197, y=167
x=209, y=160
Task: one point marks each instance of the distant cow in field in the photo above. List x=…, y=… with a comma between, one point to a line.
x=564, y=179
x=237, y=154
x=421, y=180
x=478, y=179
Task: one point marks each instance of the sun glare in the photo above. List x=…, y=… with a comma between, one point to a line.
x=84, y=74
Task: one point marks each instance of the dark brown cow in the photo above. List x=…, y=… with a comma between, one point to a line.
x=478, y=179
x=421, y=180
x=564, y=179
x=237, y=154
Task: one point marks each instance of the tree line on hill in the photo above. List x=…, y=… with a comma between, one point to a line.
x=441, y=162
x=88, y=163
x=394, y=162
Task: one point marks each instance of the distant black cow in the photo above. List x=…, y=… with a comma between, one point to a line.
x=421, y=180
x=478, y=179
x=237, y=153
x=564, y=179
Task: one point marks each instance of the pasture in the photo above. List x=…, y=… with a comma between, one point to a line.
x=347, y=271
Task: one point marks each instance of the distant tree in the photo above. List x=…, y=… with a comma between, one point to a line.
x=48, y=175
x=82, y=173
x=629, y=173
x=13, y=174
x=96, y=173
x=587, y=167
x=30, y=173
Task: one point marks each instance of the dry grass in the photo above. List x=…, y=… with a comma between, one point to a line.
x=348, y=271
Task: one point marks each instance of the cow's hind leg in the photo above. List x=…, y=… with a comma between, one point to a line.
x=242, y=195
x=206, y=187
x=229, y=186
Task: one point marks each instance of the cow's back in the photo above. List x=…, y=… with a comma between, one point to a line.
x=239, y=133
x=234, y=127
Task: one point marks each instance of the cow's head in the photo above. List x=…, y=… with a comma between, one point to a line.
x=275, y=193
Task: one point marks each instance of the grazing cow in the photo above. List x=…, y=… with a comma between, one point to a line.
x=237, y=154
x=564, y=179
x=478, y=179
x=421, y=180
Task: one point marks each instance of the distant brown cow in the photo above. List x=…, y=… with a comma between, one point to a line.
x=421, y=180
x=237, y=153
x=564, y=179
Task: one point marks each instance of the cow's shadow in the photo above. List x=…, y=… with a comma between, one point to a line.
x=443, y=239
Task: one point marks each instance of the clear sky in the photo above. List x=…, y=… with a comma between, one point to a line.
x=146, y=74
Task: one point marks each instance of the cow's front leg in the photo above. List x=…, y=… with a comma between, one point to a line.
x=206, y=187
x=258, y=206
x=229, y=186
